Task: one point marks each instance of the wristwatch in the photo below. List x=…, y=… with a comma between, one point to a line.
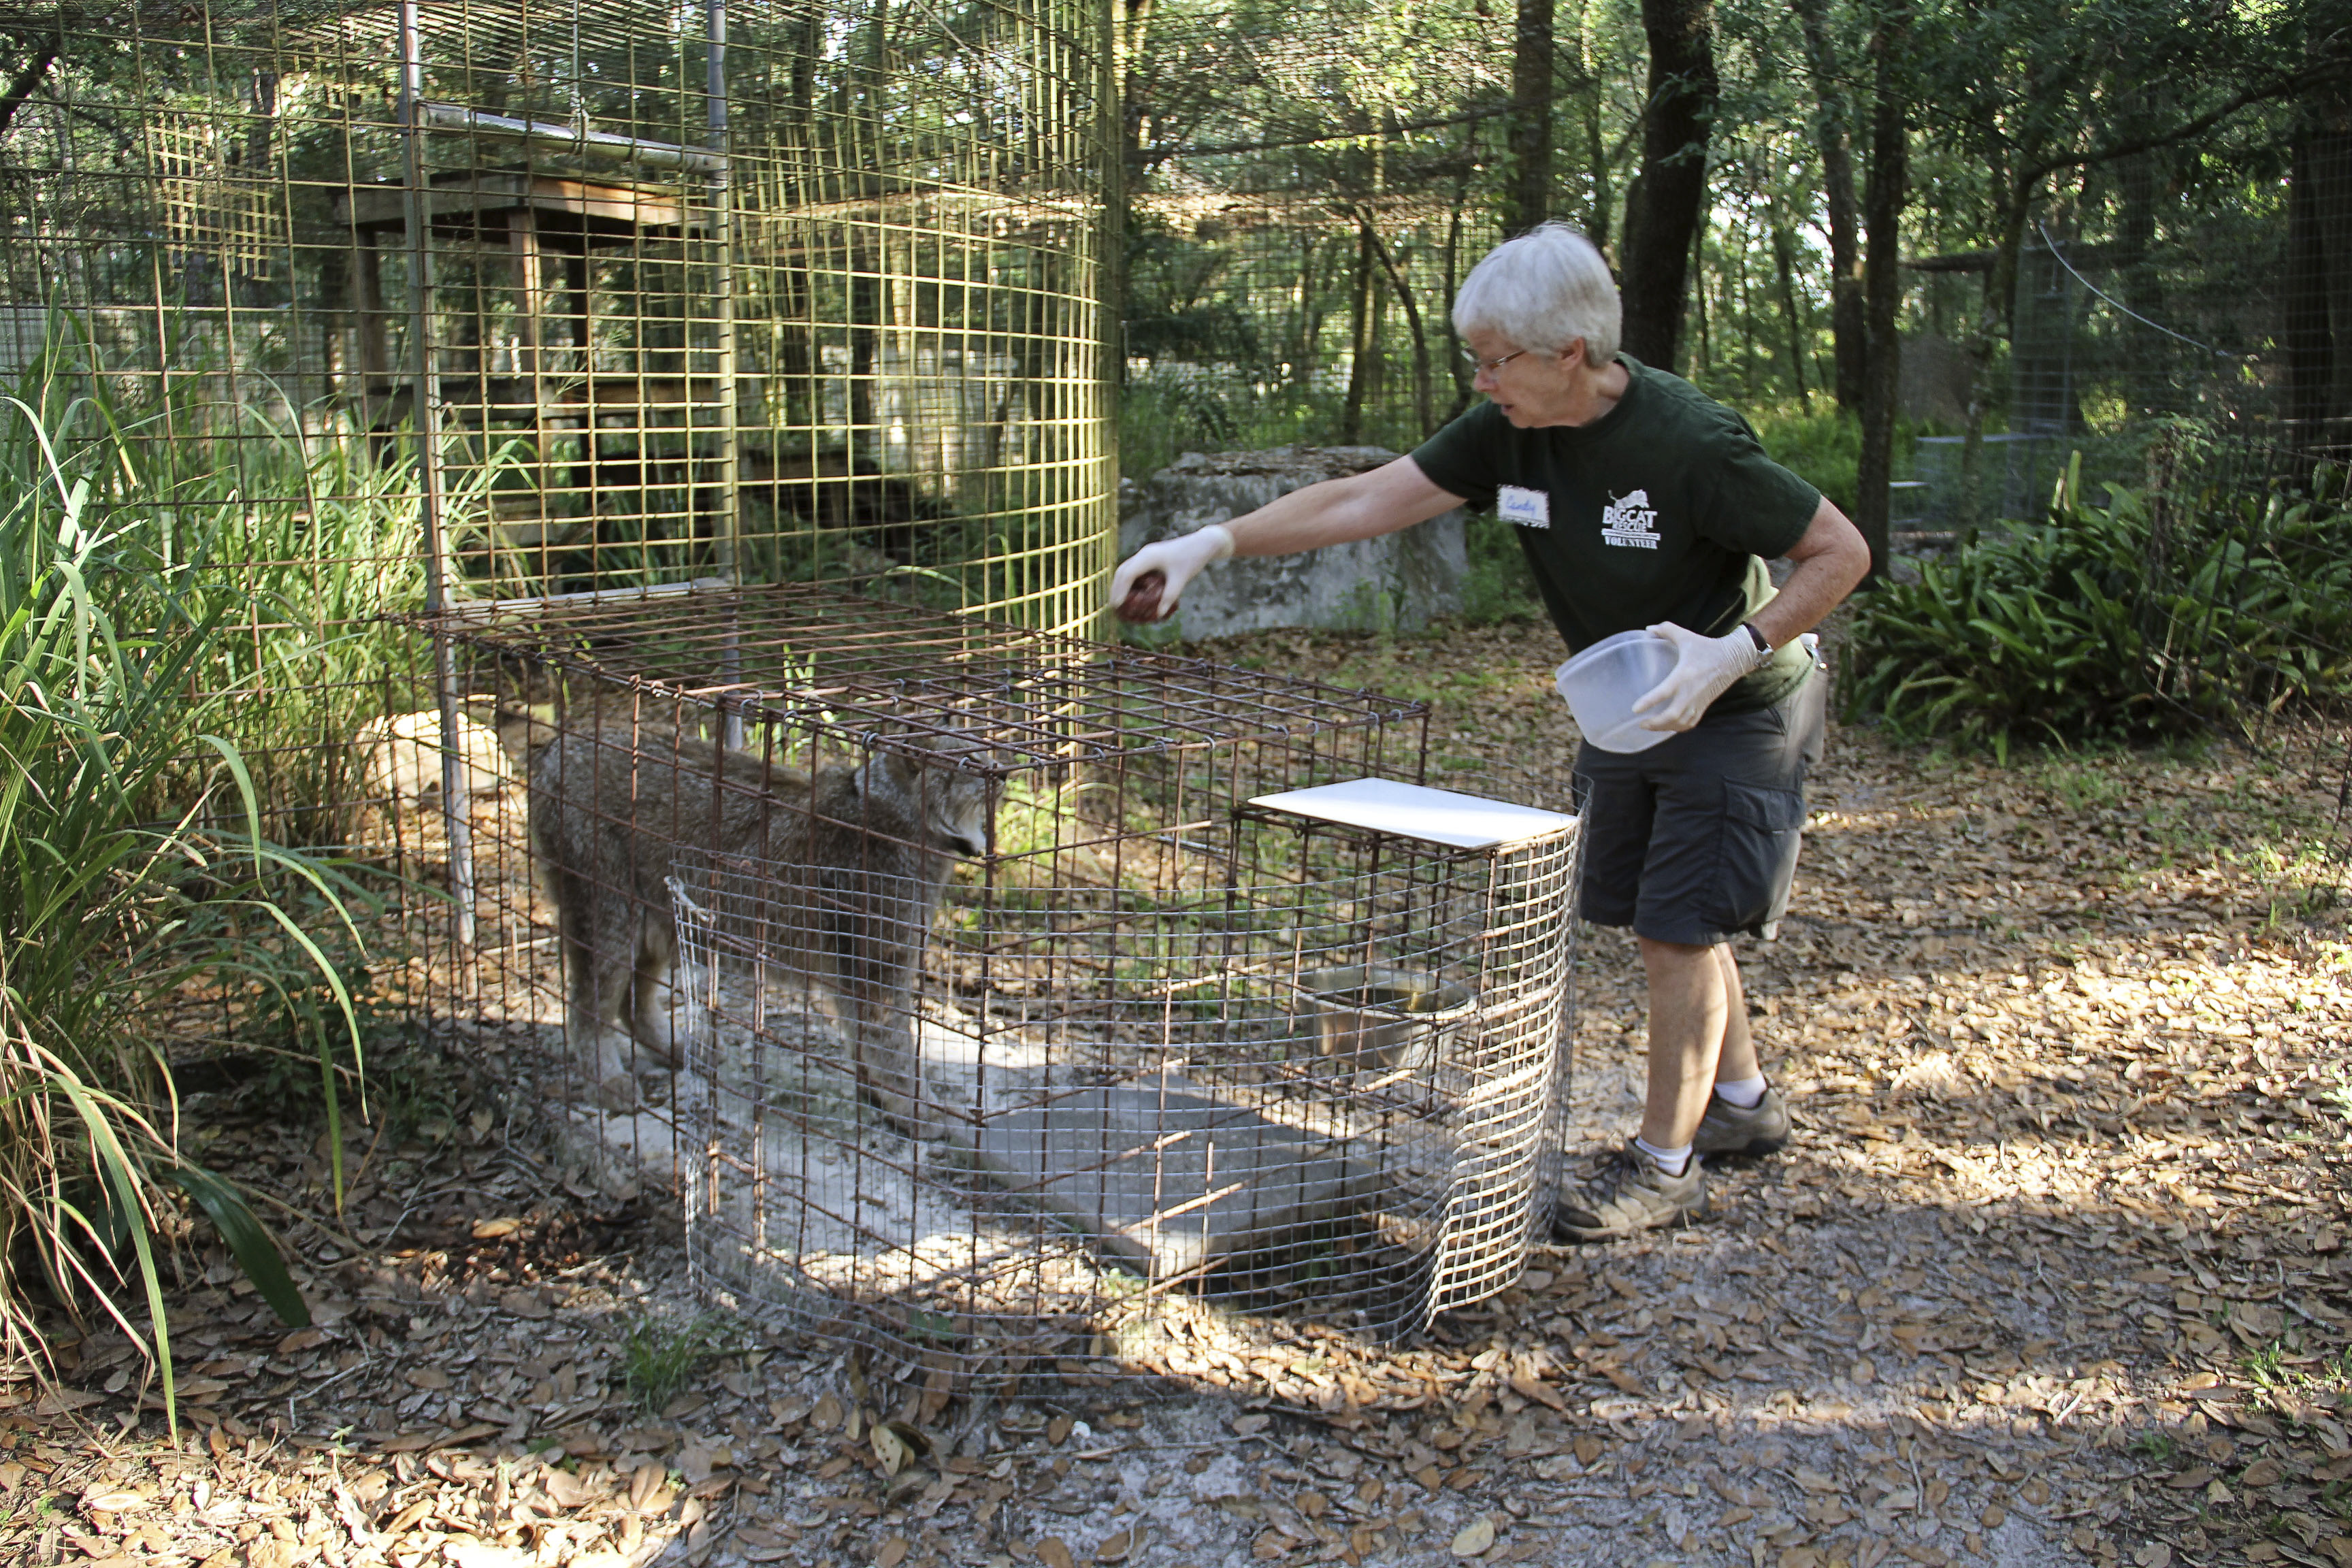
x=1764, y=649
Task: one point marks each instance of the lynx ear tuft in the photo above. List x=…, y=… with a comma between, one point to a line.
x=899, y=768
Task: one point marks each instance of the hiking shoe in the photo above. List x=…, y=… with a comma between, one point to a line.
x=1629, y=1193
x=1727, y=1129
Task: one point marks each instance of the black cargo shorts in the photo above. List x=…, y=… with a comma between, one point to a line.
x=1695, y=840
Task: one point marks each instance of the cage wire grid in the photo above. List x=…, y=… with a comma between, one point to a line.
x=1152, y=1050
x=354, y=308
x=758, y=289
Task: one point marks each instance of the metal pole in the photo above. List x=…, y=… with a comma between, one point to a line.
x=457, y=809
x=722, y=232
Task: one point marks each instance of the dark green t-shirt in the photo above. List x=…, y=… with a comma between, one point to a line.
x=1663, y=508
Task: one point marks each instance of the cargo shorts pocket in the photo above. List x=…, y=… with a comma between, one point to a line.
x=1757, y=861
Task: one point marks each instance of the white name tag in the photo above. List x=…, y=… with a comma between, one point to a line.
x=1528, y=509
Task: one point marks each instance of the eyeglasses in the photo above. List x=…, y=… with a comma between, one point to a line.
x=1491, y=366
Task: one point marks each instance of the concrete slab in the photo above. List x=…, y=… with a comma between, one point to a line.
x=1166, y=1179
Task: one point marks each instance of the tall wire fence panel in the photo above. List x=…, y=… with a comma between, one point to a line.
x=2112, y=346
x=756, y=292
x=2171, y=412
x=1002, y=1001
x=1303, y=199
x=2246, y=611
x=386, y=304
x=344, y=308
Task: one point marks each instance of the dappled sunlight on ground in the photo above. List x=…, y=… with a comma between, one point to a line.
x=2055, y=1271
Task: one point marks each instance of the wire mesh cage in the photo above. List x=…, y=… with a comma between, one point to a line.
x=396, y=303
x=1000, y=992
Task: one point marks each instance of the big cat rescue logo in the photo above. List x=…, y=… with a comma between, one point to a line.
x=1629, y=521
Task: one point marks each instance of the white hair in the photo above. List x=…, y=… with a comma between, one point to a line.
x=1543, y=290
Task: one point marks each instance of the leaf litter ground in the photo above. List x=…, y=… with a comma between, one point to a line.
x=2053, y=1273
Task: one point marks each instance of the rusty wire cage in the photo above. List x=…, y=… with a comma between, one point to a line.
x=494, y=353
x=389, y=306
x=1002, y=996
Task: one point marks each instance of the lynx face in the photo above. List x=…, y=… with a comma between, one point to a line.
x=956, y=810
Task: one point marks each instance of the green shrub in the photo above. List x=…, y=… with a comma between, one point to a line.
x=1500, y=587
x=2099, y=625
x=1824, y=446
x=134, y=872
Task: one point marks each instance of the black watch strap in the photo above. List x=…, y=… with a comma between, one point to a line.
x=1763, y=648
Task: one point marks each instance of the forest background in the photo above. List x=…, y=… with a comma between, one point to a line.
x=1860, y=221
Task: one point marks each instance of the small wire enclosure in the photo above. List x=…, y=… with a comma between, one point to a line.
x=1154, y=1036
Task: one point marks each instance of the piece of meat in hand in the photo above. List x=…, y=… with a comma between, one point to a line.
x=1142, y=601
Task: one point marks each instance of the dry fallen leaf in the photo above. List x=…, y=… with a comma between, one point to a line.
x=1115, y=1548
x=479, y=1554
x=1475, y=1539
x=890, y=1450
x=893, y=1552
x=1052, y=1553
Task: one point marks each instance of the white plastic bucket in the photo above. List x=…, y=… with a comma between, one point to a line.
x=1603, y=683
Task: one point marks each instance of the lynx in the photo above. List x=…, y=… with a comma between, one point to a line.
x=846, y=866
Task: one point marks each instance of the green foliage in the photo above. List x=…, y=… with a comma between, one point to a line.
x=303, y=541
x=1823, y=445
x=1500, y=587
x=660, y=1353
x=2097, y=625
x=133, y=866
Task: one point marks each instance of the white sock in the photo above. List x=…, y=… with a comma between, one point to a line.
x=1746, y=1093
x=1673, y=1162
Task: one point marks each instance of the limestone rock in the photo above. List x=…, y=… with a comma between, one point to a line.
x=404, y=756
x=1397, y=582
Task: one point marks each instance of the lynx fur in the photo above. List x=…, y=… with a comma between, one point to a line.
x=847, y=867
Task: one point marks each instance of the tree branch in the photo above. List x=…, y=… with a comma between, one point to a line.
x=44, y=57
x=2282, y=86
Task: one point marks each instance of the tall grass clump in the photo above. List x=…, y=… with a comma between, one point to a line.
x=2147, y=617
x=134, y=869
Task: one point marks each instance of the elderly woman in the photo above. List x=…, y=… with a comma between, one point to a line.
x=1639, y=502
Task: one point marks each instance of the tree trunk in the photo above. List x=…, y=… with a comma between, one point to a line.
x=20, y=88
x=1699, y=313
x=1424, y=401
x=1309, y=323
x=2310, y=345
x=1669, y=197
x=1597, y=227
x=1527, y=198
x=1883, y=202
x=1830, y=129
x=2139, y=192
x=1784, y=262
x=1456, y=363
x=1360, y=334
x=2330, y=158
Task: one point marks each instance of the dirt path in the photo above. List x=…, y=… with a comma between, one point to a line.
x=2055, y=1273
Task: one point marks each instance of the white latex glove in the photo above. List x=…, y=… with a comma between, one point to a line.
x=1703, y=669
x=1178, y=560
